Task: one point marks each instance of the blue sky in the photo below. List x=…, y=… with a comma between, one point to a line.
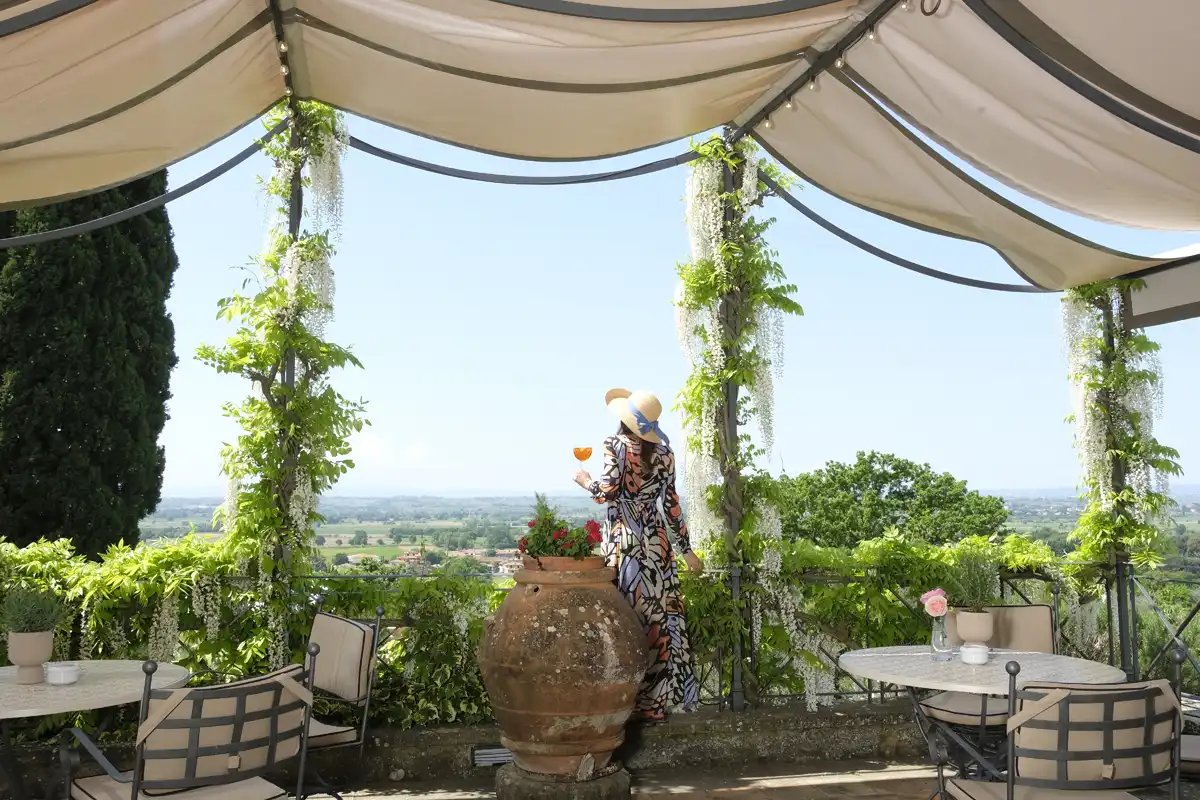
x=492, y=319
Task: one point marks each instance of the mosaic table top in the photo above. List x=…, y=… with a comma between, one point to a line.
x=101, y=684
x=914, y=666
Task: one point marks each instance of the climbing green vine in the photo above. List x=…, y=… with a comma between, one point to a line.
x=295, y=427
x=1117, y=385
x=731, y=300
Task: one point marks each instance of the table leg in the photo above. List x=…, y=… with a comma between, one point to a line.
x=9, y=765
x=937, y=735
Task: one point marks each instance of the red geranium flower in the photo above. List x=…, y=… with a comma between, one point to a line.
x=559, y=534
x=532, y=522
x=591, y=526
x=521, y=545
x=594, y=537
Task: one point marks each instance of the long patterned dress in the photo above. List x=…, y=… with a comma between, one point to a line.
x=638, y=545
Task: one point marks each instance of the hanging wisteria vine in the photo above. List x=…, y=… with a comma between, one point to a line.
x=294, y=426
x=730, y=304
x=1116, y=397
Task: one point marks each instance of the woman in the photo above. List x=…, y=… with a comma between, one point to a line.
x=639, y=471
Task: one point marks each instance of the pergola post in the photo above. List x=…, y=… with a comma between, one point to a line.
x=1114, y=328
x=730, y=313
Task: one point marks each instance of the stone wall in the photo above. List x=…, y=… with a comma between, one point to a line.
x=789, y=734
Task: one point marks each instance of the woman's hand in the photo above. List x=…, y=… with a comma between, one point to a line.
x=694, y=564
x=583, y=478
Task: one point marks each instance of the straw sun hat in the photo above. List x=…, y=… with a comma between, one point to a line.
x=639, y=411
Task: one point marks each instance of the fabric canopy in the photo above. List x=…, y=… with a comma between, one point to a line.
x=1088, y=105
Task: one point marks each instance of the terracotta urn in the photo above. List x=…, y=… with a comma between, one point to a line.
x=29, y=652
x=562, y=660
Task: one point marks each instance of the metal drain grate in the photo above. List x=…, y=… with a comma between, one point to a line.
x=492, y=756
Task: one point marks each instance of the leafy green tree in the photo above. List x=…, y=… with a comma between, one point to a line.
x=340, y=558
x=843, y=504
x=462, y=565
x=86, y=353
x=358, y=539
x=338, y=543
x=396, y=535
x=320, y=541
x=432, y=557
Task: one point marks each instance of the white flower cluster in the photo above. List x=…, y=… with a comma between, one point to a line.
x=705, y=214
x=316, y=275
x=325, y=180
x=206, y=604
x=303, y=502
x=687, y=320
x=749, y=188
x=818, y=680
x=701, y=471
x=164, y=630
x=233, y=491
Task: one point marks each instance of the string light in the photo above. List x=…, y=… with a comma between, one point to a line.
x=871, y=34
x=287, y=90
x=282, y=46
x=812, y=85
x=768, y=124
x=840, y=62
x=283, y=69
x=788, y=104
x=904, y=5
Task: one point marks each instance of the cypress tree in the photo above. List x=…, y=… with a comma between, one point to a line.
x=86, y=352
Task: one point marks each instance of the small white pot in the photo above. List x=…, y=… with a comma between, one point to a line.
x=974, y=627
x=28, y=652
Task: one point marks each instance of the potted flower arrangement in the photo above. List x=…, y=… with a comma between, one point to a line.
x=559, y=711
x=975, y=588
x=30, y=618
x=551, y=537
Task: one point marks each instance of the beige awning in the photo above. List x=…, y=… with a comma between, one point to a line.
x=1089, y=105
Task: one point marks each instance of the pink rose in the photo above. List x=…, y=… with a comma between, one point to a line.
x=932, y=593
x=937, y=606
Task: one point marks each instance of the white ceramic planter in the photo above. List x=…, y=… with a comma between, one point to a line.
x=974, y=627
x=29, y=652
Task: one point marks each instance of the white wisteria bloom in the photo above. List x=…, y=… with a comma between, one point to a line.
x=705, y=216
x=325, y=180
x=164, y=630
x=749, y=189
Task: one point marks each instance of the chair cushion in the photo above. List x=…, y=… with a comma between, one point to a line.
x=958, y=708
x=1189, y=755
x=321, y=735
x=983, y=790
x=1090, y=710
x=344, y=663
x=102, y=787
x=164, y=739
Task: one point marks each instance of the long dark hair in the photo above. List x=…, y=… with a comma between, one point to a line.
x=647, y=452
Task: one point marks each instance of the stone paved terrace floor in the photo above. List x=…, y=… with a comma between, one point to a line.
x=848, y=782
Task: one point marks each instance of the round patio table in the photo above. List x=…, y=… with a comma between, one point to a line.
x=101, y=684
x=914, y=667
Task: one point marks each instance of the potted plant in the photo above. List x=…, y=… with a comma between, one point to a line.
x=30, y=617
x=564, y=654
x=975, y=588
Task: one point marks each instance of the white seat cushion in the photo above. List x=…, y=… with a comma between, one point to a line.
x=982, y=790
x=958, y=708
x=1189, y=755
x=102, y=787
x=322, y=735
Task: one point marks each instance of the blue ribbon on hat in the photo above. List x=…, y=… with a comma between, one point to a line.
x=644, y=425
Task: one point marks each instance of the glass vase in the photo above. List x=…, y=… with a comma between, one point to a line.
x=939, y=641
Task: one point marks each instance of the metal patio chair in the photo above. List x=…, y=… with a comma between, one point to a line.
x=345, y=672
x=1023, y=628
x=1094, y=742
x=207, y=742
